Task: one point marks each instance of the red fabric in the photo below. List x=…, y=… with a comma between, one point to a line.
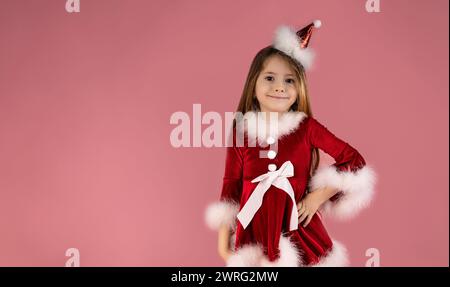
x=244, y=164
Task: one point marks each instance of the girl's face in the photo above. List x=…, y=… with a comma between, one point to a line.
x=275, y=87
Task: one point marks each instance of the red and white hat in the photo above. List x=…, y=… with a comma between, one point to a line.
x=295, y=44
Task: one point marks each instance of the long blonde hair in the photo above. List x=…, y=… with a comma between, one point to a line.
x=248, y=101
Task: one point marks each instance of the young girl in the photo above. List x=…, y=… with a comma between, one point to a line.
x=269, y=205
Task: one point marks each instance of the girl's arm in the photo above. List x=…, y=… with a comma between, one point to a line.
x=346, y=187
x=325, y=193
x=223, y=246
x=222, y=214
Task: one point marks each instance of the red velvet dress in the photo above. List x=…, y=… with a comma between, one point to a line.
x=310, y=246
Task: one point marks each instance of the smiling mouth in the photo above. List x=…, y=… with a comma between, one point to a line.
x=278, y=97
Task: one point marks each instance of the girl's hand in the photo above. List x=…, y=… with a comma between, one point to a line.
x=308, y=206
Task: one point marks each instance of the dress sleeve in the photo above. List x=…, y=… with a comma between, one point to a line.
x=225, y=210
x=350, y=174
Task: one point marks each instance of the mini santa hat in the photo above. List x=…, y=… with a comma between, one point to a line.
x=295, y=44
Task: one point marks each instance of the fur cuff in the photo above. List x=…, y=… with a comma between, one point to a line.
x=221, y=213
x=356, y=190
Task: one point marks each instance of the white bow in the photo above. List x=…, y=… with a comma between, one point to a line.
x=276, y=178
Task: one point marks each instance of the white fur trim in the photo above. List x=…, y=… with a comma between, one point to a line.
x=221, y=213
x=254, y=124
x=336, y=257
x=286, y=40
x=247, y=256
x=252, y=255
x=289, y=255
x=357, y=188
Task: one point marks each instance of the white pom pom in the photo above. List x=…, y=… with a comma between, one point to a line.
x=317, y=23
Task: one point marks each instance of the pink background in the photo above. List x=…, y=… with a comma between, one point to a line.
x=85, y=102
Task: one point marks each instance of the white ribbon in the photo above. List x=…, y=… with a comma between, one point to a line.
x=276, y=178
